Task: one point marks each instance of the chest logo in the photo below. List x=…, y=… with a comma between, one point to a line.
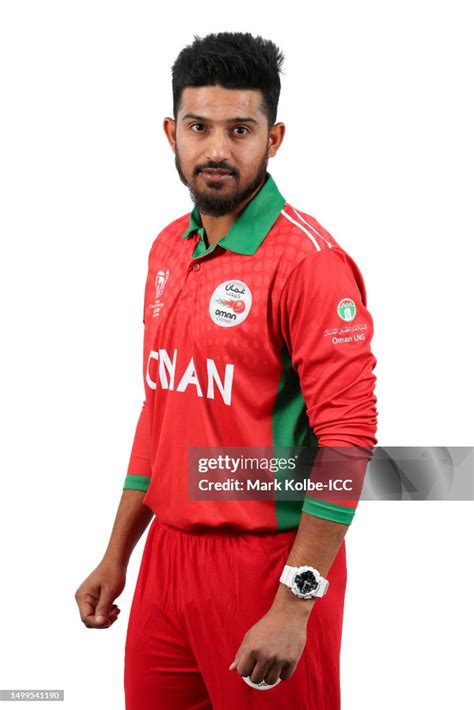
x=230, y=303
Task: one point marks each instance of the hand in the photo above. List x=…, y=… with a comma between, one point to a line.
x=96, y=594
x=272, y=648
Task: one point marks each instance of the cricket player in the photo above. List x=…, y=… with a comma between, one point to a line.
x=256, y=333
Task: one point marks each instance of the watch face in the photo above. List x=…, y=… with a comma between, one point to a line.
x=306, y=582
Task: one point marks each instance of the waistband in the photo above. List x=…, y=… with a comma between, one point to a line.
x=225, y=532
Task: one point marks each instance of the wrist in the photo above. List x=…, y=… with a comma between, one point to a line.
x=286, y=602
x=116, y=558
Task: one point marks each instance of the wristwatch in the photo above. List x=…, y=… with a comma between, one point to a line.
x=305, y=582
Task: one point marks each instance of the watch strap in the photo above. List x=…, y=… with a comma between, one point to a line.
x=288, y=575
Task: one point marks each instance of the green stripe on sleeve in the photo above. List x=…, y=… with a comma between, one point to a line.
x=137, y=483
x=329, y=511
x=290, y=427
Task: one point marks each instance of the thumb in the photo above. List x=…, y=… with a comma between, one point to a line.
x=237, y=656
x=103, y=606
x=234, y=662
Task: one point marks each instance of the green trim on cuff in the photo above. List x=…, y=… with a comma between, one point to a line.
x=137, y=483
x=328, y=511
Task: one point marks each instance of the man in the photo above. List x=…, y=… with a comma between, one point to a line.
x=256, y=334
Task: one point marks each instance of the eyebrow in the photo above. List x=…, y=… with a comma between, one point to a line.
x=237, y=119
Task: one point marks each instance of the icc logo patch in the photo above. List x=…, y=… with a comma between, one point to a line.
x=160, y=282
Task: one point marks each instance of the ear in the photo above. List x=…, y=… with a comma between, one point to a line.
x=169, y=127
x=275, y=138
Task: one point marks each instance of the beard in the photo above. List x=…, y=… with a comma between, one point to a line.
x=209, y=201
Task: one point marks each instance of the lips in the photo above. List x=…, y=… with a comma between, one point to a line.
x=216, y=176
x=216, y=171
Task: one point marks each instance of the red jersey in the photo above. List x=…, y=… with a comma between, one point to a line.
x=262, y=339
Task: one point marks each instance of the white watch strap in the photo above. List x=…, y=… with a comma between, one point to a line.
x=288, y=575
x=323, y=587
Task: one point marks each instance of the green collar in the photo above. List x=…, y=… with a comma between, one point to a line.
x=251, y=226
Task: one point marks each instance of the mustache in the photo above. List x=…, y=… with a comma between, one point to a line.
x=211, y=164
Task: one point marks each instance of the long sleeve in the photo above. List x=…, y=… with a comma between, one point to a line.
x=139, y=467
x=327, y=330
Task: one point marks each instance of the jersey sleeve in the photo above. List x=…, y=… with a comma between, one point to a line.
x=138, y=475
x=328, y=329
x=139, y=467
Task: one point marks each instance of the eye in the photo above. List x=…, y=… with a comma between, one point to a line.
x=194, y=125
x=241, y=128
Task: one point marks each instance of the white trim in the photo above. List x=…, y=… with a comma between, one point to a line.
x=303, y=229
x=313, y=228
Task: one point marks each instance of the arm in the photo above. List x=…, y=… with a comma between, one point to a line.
x=335, y=373
x=278, y=639
x=131, y=520
x=96, y=594
x=317, y=542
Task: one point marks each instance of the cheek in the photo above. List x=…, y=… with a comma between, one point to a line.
x=254, y=151
x=188, y=156
x=186, y=146
x=251, y=160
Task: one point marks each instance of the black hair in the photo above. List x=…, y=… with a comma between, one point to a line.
x=234, y=60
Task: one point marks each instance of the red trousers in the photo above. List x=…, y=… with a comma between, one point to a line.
x=197, y=594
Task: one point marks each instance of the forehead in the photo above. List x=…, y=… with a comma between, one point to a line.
x=218, y=103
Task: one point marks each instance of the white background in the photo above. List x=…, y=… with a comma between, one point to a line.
x=377, y=99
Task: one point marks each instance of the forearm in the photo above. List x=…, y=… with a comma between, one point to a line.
x=316, y=544
x=131, y=520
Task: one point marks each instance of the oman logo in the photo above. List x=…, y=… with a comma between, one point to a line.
x=346, y=309
x=230, y=303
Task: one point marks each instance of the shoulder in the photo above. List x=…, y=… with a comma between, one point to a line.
x=304, y=230
x=309, y=251
x=297, y=237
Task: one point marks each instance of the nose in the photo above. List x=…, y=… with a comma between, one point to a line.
x=218, y=148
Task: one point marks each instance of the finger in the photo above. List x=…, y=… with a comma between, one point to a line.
x=87, y=601
x=246, y=664
x=236, y=658
x=287, y=670
x=260, y=670
x=273, y=673
x=86, y=609
x=104, y=606
x=91, y=623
